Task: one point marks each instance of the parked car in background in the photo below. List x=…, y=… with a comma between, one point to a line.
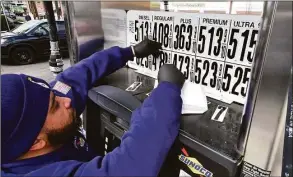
x=18, y=10
x=9, y=22
x=30, y=42
x=8, y=14
x=6, y=23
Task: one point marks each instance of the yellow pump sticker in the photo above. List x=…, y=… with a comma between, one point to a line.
x=194, y=165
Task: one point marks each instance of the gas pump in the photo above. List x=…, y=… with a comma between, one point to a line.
x=242, y=62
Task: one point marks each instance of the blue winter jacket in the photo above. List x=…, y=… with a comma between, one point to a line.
x=154, y=127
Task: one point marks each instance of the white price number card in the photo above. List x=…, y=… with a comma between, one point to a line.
x=183, y=62
x=185, y=33
x=208, y=73
x=243, y=39
x=213, y=50
x=138, y=28
x=212, y=36
x=156, y=63
x=235, y=82
x=150, y=66
x=138, y=25
x=162, y=29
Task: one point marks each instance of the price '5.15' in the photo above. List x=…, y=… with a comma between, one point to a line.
x=249, y=40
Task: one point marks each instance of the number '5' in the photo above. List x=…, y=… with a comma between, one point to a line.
x=136, y=30
x=225, y=86
x=197, y=70
x=232, y=41
x=203, y=38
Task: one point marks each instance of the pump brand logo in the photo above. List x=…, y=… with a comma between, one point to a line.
x=194, y=165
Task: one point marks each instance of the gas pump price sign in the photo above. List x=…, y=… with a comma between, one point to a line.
x=213, y=50
x=240, y=51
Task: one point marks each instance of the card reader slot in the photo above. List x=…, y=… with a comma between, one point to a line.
x=115, y=100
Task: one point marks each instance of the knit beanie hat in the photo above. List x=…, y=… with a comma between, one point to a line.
x=24, y=108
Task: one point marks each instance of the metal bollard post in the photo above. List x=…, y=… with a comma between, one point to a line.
x=56, y=61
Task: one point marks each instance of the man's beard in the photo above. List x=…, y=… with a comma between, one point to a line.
x=66, y=134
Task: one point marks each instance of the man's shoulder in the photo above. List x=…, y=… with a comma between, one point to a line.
x=61, y=168
x=7, y=174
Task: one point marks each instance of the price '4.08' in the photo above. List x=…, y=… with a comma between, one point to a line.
x=161, y=34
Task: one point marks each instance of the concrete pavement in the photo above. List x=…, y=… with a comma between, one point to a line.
x=40, y=69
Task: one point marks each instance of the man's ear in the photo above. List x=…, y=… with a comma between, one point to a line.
x=39, y=143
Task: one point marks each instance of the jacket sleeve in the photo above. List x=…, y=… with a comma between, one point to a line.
x=75, y=81
x=143, y=149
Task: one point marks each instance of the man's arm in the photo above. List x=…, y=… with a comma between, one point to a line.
x=153, y=130
x=78, y=79
x=75, y=81
x=143, y=149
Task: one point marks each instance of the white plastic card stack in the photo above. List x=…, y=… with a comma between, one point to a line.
x=193, y=97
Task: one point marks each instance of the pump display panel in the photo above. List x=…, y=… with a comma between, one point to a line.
x=213, y=50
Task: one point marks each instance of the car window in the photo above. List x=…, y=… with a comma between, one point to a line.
x=41, y=30
x=46, y=26
x=60, y=26
x=25, y=27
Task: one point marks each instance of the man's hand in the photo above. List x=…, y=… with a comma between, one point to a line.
x=169, y=73
x=147, y=47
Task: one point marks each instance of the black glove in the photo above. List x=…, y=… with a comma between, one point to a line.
x=169, y=73
x=147, y=47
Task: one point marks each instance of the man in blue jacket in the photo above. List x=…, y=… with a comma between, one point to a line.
x=39, y=120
